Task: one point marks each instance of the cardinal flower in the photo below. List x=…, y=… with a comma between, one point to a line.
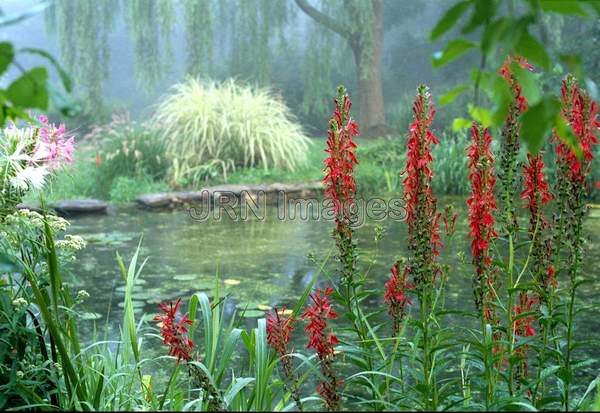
x=317, y=313
x=340, y=186
x=482, y=205
x=422, y=217
x=396, y=294
x=174, y=330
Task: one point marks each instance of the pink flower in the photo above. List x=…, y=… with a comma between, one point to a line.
x=52, y=148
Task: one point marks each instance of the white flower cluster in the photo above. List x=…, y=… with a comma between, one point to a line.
x=28, y=155
x=35, y=219
x=71, y=243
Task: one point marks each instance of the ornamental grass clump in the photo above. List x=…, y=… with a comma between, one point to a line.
x=226, y=126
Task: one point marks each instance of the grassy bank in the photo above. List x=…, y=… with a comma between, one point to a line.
x=121, y=178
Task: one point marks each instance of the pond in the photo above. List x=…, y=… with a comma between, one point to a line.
x=261, y=263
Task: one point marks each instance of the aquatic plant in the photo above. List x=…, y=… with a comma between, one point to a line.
x=507, y=172
x=424, y=241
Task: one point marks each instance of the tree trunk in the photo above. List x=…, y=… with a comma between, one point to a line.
x=368, y=68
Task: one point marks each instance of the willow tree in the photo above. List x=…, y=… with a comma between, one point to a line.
x=82, y=28
x=225, y=38
x=360, y=24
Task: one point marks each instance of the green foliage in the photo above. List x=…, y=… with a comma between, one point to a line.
x=127, y=189
x=128, y=148
x=510, y=30
x=82, y=30
x=117, y=161
x=150, y=27
x=229, y=125
x=31, y=89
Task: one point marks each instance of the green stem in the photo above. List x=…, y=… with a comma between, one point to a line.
x=570, y=337
x=171, y=379
x=509, y=317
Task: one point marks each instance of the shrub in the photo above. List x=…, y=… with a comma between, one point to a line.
x=128, y=148
x=126, y=189
x=119, y=161
x=227, y=125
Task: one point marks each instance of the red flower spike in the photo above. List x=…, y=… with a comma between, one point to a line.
x=482, y=202
x=482, y=205
x=396, y=294
x=174, y=330
x=317, y=314
x=536, y=192
x=581, y=113
x=421, y=212
x=507, y=73
x=340, y=186
x=279, y=329
x=523, y=326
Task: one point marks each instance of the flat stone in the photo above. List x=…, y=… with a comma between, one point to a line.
x=190, y=197
x=219, y=193
x=158, y=200
x=31, y=207
x=80, y=206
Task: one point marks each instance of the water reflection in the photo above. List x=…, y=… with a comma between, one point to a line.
x=268, y=258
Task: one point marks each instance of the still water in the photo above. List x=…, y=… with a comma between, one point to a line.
x=262, y=263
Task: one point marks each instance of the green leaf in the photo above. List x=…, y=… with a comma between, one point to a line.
x=565, y=134
x=30, y=90
x=453, y=94
x=64, y=77
x=529, y=83
x=484, y=10
x=6, y=56
x=563, y=7
x=461, y=123
x=502, y=98
x=530, y=48
x=482, y=115
x=7, y=264
x=453, y=50
x=573, y=63
x=449, y=19
x=594, y=4
x=537, y=121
